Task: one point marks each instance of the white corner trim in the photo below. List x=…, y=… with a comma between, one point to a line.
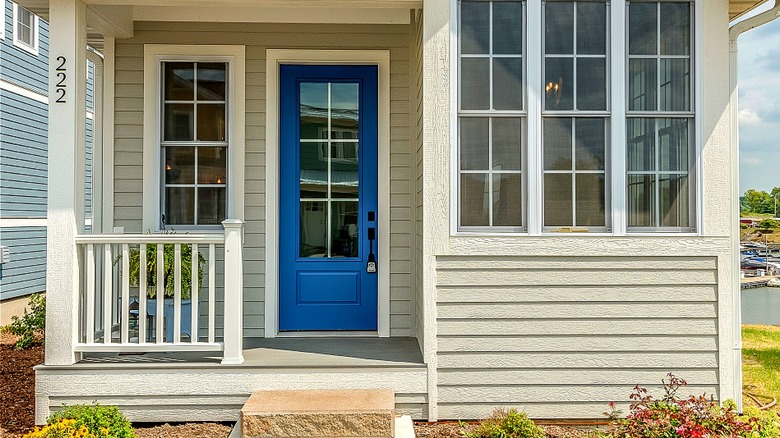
x=235, y=56
x=35, y=33
x=24, y=92
x=275, y=57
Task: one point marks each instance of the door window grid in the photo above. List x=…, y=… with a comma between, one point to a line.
x=554, y=91
x=658, y=198
x=342, y=141
x=205, y=176
x=499, y=203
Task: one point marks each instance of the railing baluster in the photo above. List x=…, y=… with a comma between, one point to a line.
x=160, y=292
x=142, y=294
x=212, y=289
x=125, y=315
x=194, y=278
x=90, y=311
x=108, y=287
x=177, y=293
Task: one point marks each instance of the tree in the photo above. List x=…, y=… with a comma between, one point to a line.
x=775, y=195
x=756, y=201
x=767, y=224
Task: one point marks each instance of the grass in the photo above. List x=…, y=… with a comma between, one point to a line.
x=761, y=362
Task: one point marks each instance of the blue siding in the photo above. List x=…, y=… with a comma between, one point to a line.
x=21, y=67
x=26, y=273
x=22, y=156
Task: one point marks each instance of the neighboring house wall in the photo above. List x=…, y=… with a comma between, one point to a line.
x=23, y=157
x=129, y=90
x=416, y=104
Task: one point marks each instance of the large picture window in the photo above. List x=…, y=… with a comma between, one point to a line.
x=575, y=116
x=491, y=115
x=660, y=116
x=194, y=142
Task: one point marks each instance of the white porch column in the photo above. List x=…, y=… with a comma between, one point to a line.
x=234, y=292
x=66, y=174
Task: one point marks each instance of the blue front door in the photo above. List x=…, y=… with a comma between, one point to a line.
x=328, y=198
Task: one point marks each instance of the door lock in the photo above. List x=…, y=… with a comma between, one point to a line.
x=371, y=264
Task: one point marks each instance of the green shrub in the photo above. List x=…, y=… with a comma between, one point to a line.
x=506, y=424
x=99, y=420
x=695, y=417
x=763, y=424
x=767, y=224
x=30, y=328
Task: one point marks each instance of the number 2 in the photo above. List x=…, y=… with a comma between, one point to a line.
x=61, y=59
x=61, y=97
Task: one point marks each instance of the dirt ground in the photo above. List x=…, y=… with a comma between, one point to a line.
x=17, y=406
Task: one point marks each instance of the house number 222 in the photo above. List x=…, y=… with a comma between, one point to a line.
x=60, y=87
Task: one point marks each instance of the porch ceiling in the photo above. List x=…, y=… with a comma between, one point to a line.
x=738, y=8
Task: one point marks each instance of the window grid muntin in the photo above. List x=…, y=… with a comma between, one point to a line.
x=25, y=20
x=575, y=114
x=490, y=114
x=658, y=114
x=195, y=143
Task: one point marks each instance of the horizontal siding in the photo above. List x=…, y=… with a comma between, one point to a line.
x=19, y=66
x=26, y=272
x=257, y=38
x=23, y=156
x=547, y=334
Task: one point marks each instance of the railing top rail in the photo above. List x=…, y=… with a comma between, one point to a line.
x=217, y=237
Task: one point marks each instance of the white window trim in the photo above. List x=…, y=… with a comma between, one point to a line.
x=275, y=57
x=35, y=32
x=154, y=55
x=618, y=86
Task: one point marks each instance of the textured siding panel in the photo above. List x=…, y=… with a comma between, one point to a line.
x=19, y=66
x=257, y=38
x=26, y=272
x=562, y=337
x=23, y=156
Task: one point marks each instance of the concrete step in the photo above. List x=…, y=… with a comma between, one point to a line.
x=349, y=413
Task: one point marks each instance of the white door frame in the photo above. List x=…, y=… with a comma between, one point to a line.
x=274, y=58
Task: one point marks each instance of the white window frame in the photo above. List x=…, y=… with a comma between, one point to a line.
x=154, y=56
x=617, y=88
x=34, y=30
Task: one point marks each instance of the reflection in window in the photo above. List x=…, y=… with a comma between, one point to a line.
x=194, y=143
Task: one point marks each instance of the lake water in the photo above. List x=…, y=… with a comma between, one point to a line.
x=761, y=306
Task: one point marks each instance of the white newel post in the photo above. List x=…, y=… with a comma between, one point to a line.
x=67, y=137
x=234, y=292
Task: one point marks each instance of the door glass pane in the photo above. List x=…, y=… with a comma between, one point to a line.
x=211, y=81
x=642, y=28
x=675, y=28
x=507, y=28
x=344, y=229
x=344, y=110
x=557, y=200
x=507, y=143
x=179, y=81
x=314, y=170
x=314, y=234
x=179, y=122
x=211, y=205
x=642, y=84
x=344, y=173
x=591, y=202
x=507, y=83
x=590, y=144
x=474, y=200
x=507, y=199
x=475, y=83
x=592, y=84
x=591, y=28
x=559, y=84
x=641, y=199
x=475, y=27
x=314, y=110
x=557, y=143
x=179, y=165
x=674, y=201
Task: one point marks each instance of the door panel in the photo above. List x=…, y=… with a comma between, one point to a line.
x=328, y=171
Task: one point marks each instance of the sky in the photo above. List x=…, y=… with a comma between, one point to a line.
x=759, y=107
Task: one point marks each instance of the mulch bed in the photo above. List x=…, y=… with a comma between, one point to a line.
x=17, y=406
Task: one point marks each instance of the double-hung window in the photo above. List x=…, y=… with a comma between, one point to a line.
x=194, y=143
x=575, y=116
x=660, y=116
x=25, y=29
x=491, y=116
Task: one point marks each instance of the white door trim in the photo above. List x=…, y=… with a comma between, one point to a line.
x=275, y=57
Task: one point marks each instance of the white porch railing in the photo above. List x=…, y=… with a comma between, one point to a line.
x=112, y=297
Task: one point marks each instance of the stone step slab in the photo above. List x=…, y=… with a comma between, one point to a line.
x=319, y=414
